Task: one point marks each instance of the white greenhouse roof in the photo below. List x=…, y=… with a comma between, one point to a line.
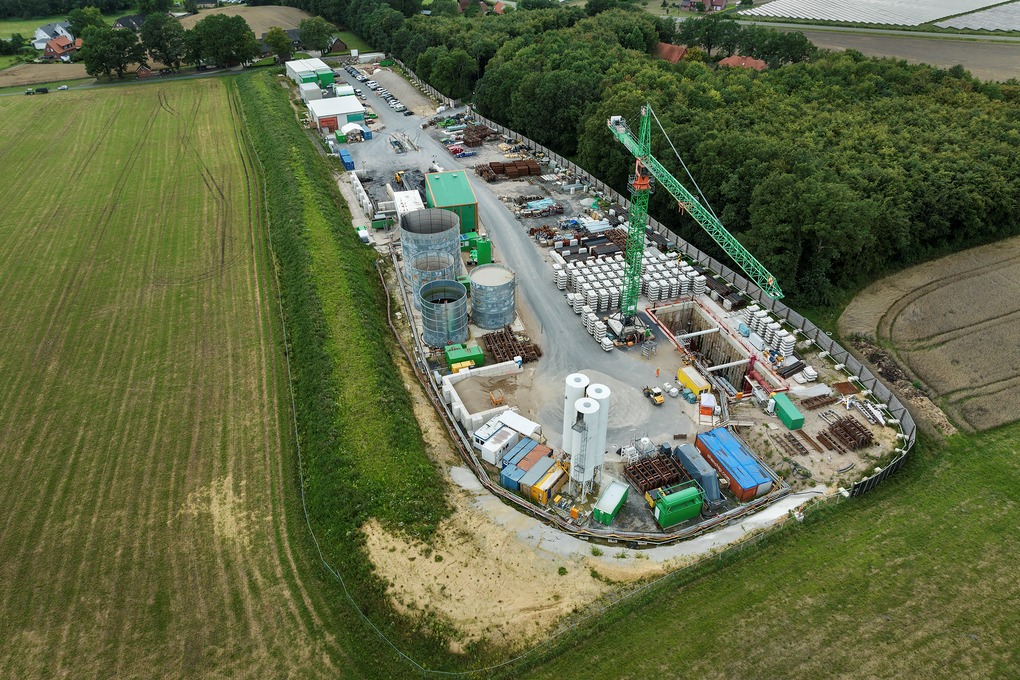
x=337, y=106
x=890, y=12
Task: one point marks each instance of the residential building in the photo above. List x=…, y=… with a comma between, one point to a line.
x=61, y=48
x=48, y=32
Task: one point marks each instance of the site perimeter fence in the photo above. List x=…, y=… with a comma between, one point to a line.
x=854, y=368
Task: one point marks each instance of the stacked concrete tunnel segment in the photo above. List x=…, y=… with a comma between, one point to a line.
x=430, y=241
x=444, y=312
x=493, y=296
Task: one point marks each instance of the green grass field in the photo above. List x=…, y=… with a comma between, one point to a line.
x=918, y=578
x=354, y=42
x=150, y=525
x=26, y=27
x=7, y=60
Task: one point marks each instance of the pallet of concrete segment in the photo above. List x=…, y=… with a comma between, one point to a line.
x=652, y=473
x=850, y=432
x=504, y=345
x=821, y=401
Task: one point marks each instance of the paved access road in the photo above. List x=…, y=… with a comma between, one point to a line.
x=566, y=347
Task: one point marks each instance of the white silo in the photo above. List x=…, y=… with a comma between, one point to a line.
x=576, y=384
x=582, y=458
x=601, y=394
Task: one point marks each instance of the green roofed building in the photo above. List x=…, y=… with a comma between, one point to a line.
x=452, y=191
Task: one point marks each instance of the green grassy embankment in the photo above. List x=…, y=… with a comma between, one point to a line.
x=363, y=451
x=918, y=575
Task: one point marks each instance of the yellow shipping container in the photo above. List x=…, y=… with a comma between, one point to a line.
x=689, y=377
x=549, y=485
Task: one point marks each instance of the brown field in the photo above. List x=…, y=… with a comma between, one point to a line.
x=954, y=324
x=259, y=18
x=987, y=61
x=30, y=74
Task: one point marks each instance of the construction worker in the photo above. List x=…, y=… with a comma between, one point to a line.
x=656, y=373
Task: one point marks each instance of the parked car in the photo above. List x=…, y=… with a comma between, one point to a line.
x=408, y=113
x=62, y=87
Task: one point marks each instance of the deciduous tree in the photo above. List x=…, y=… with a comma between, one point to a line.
x=164, y=40
x=317, y=34
x=82, y=18
x=106, y=51
x=279, y=42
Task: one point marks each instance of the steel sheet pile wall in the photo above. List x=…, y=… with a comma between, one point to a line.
x=444, y=313
x=428, y=232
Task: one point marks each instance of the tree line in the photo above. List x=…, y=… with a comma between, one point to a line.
x=831, y=167
x=217, y=39
x=27, y=9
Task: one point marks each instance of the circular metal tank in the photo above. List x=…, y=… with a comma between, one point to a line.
x=443, y=312
x=493, y=296
x=429, y=231
x=426, y=267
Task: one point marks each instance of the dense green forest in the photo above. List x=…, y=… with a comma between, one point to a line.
x=831, y=167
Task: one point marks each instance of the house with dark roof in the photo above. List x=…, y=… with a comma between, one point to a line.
x=337, y=45
x=61, y=48
x=48, y=32
x=737, y=61
x=293, y=33
x=715, y=5
x=132, y=22
x=670, y=53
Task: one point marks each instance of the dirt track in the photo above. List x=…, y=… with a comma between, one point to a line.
x=953, y=323
x=260, y=19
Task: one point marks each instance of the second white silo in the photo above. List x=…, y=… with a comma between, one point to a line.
x=601, y=394
x=575, y=387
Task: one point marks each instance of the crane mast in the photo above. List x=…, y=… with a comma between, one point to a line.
x=647, y=167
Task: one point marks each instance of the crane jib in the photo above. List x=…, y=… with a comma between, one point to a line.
x=743, y=258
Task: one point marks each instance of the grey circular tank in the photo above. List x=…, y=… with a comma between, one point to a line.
x=443, y=312
x=429, y=231
x=493, y=296
x=426, y=267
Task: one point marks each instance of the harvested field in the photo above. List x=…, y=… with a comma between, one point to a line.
x=31, y=74
x=953, y=323
x=147, y=467
x=987, y=61
x=259, y=18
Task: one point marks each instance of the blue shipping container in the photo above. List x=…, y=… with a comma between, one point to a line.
x=367, y=135
x=523, y=448
x=699, y=470
x=748, y=477
x=510, y=477
x=345, y=158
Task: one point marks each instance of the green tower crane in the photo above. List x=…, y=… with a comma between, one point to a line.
x=645, y=169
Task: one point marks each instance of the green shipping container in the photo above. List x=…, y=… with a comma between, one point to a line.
x=456, y=354
x=468, y=241
x=788, y=413
x=325, y=77
x=308, y=77
x=677, y=503
x=484, y=255
x=610, y=502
